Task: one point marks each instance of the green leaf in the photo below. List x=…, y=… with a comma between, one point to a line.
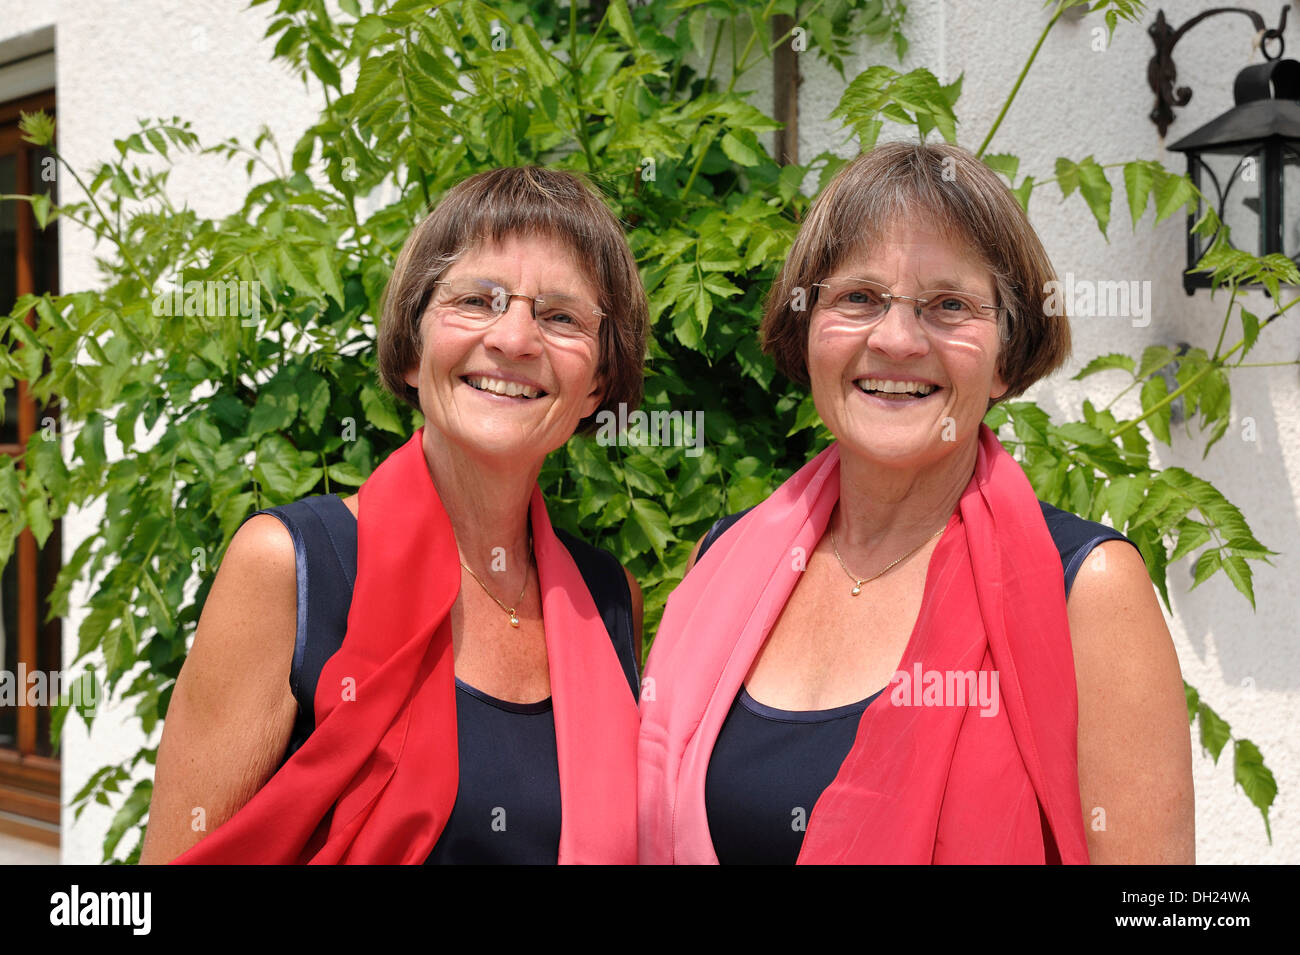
x=1096, y=191
x=379, y=412
x=326, y=273
x=325, y=71
x=740, y=152
x=1254, y=777
x=1154, y=358
x=1153, y=392
x=1239, y=573
x=1104, y=362
x=133, y=809
x=651, y=520
x=1123, y=495
x=621, y=20
x=1250, y=330
x=1067, y=176
x=344, y=473
x=1206, y=565
x=806, y=417
x=38, y=518
x=1173, y=193
x=1214, y=731
x=276, y=408
x=1191, y=535
x=1003, y=163
x=40, y=209
x=1023, y=191
x=1138, y=180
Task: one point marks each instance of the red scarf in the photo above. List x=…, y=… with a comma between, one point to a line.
x=923, y=783
x=376, y=780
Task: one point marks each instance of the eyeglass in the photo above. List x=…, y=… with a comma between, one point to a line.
x=864, y=301
x=560, y=317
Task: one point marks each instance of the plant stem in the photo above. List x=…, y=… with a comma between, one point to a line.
x=713, y=55
x=1223, y=329
x=979, y=153
x=115, y=233
x=1173, y=395
x=807, y=13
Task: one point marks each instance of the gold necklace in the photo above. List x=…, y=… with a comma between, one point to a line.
x=514, y=616
x=859, y=581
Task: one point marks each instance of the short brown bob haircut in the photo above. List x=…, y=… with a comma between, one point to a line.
x=524, y=201
x=955, y=193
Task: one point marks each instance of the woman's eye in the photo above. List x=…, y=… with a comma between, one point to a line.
x=860, y=297
x=952, y=305
x=562, y=317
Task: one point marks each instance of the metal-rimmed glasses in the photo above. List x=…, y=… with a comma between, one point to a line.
x=944, y=310
x=559, y=317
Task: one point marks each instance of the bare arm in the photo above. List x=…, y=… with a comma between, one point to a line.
x=1135, y=751
x=232, y=712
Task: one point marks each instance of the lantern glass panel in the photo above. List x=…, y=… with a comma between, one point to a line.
x=1291, y=202
x=1235, y=183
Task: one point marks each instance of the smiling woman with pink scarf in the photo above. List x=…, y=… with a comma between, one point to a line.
x=902, y=655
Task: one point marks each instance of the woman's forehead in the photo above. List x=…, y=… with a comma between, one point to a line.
x=933, y=255
x=513, y=258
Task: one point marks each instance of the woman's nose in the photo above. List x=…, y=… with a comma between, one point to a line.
x=900, y=330
x=515, y=330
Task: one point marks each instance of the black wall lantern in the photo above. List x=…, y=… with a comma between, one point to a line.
x=1247, y=161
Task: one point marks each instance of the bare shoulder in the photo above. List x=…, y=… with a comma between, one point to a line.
x=1113, y=582
x=251, y=612
x=353, y=503
x=1135, y=775
x=232, y=710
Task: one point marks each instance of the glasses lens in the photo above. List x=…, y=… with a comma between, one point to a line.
x=856, y=298
x=558, y=316
x=563, y=316
x=946, y=308
x=472, y=301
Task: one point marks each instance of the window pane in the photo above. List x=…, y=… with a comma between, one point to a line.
x=9, y=647
x=8, y=283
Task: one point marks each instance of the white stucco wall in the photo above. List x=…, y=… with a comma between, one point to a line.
x=206, y=62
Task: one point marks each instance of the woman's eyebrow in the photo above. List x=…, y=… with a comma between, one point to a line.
x=487, y=283
x=940, y=284
x=951, y=285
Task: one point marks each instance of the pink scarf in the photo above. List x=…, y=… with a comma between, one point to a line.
x=376, y=780
x=922, y=783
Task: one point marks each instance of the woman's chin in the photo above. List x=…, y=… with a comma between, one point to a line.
x=884, y=448
x=505, y=446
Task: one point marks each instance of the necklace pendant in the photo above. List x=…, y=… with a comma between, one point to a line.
x=857, y=589
x=514, y=621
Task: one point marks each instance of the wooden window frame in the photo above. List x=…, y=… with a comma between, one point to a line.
x=30, y=804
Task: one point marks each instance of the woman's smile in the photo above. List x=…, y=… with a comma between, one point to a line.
x=896, y=392
x=509, y=388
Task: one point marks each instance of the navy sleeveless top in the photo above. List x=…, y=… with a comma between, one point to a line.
x=769, y=766
x=507, y=807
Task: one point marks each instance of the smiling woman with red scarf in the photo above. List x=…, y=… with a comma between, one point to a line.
x=427, y=671
x=897, y=657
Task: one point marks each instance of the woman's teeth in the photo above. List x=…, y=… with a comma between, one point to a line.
x=508, y=389
x=895, y=390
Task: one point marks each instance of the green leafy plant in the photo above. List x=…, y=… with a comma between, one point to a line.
x=219, y=415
